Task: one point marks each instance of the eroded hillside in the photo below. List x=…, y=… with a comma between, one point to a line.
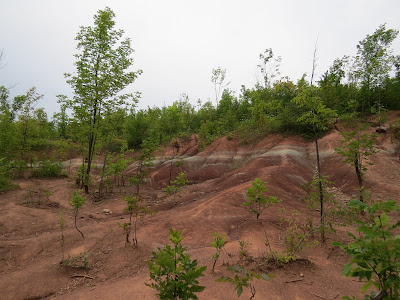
x=220, y=175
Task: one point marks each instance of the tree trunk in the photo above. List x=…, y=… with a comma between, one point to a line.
x=76, y=214
x=103, y=170
x=139, y=177
x=357, y=165
x=90, y=158
x=380, y=296
x=321, y=192
x=128, y=232
x=89, y=164
x=214, y=263
x=25, y=135
x=170, y=169
x=92, y=137
x=135, y=241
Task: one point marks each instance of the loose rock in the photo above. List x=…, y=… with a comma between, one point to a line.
x=380, y=129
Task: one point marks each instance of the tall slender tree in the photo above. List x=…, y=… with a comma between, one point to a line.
x=269, y=66
x=217, y=79
x=317, y=116
x=102, y=72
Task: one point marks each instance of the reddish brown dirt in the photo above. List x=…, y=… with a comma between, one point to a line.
x=30, y=250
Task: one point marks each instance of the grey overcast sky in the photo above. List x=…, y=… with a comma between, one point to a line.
x=177, y=43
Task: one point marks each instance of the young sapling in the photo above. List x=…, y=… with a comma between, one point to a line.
x=243, y=249
x=258, y=202
x=76, y=202
x=243, y=278
x=61, y=224
x=219, y=242
x=173, y=273
x=134, y=209
x=256, y=199
x=356, y=149
x=145, y=161
x=177, y=185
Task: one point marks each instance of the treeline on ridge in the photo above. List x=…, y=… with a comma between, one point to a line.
x=368, y=83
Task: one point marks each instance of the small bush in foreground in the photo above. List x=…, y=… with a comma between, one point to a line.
x=243, y=278
x=77, y=261
x=76, y=202
x=173, y=273
x=375, y=251
x=219, y=242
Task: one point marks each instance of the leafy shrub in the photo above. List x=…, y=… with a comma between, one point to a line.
x=297, y=233
x=243, y=278
x=375, y=251
x=177, y=185
x=180, y=163
x=135, y=209
x=48, y=168
x=76, y=202
x=5, y=176
x=243, y=249
x=257, y=201
x=208, y=132
x=40, y=144
x=250, y=131
x=173, y=272
x=219, y=242
x=61, y=225
x=6, y=183
x=114, y=145
x=17, y=168
x=77, y=261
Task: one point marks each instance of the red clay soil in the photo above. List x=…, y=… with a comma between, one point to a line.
x=30, y=251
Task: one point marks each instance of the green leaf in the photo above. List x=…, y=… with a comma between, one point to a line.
x=363, y=265
x=239, y=291
x=365, y=287
x=265, y=277
x=337, y=244
x=223, y=279
x=347, y=269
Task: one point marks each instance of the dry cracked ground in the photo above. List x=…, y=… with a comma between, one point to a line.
x=30, y=250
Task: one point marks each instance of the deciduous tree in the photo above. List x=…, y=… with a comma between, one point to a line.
x=373, y=62
x=269, y=66
x=317, y=116
x=356, y=148
x=102, y=71
x=217, y=79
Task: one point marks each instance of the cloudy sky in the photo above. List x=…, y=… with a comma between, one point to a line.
x=178, y=43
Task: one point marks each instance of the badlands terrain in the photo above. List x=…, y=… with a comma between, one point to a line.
x=219, y=175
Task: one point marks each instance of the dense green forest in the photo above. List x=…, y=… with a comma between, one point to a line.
x=100, y=120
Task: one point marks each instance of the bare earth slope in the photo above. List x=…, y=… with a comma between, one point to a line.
x=30, y=249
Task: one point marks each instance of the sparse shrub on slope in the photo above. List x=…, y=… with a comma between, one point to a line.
x=48, y=169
